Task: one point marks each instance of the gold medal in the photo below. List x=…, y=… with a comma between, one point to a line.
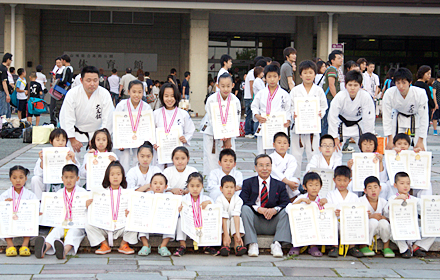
x=418, y=157
x=398, y=157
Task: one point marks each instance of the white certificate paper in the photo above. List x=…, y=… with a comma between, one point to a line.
x=54, y=160
x=96, y=167
x=354, y=224
x=54, y=210
x=307, y=119
x=396, y=163
x=167, y=143
x=430, y=215
x=328, y=225
x=404, y=219
x=328, y=184
x=231, y=129
x=5, y=213
x=100, y=213
x=27, y=222
x=212, y=224
x=274, y=124
x=123, y=131
x=364, y=165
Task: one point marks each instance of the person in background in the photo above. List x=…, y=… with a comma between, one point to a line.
x=41, y=78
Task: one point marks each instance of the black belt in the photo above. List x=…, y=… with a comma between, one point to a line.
x=347, y=124
x=84, y=133
x=412, y=129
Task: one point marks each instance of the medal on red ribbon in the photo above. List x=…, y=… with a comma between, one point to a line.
x=15, y=205
x=197, y=214
x=270, y=97
x=115, y=211
x=134, y=125
x=68, y=202
x=224, y=118
x=166, y=126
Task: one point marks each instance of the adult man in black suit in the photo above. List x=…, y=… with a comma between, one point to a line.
x=264, y=199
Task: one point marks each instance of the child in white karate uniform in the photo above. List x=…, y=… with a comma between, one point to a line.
x=408, y=248
x=223, y=98
x=139, y=176
x=198, y=200
x=352, y=111
x=177, y=174
x=271, y=100
x=15, y=194
x=52, y=244
x=378, y=224
x=170, y=116
x=307, y=89
x=231, y=204
x=284, y=165
x=133, y=105
x=158, y=185
x=227, y=162
x=115, y=182
x=328, y=157
x=312, y=183
x=57, y=138
x=342, y=178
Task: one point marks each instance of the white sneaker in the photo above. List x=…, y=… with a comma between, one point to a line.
x=275, y=250
x=250, y=136
x=253, y=250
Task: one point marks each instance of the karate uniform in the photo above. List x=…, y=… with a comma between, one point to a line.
x=211, y=150
x=301, y=142
x=285, y=167
x=382, y=228
x=361, y=108
x=183, y=121
x=27, y=194
x=424, y=243
x=180, y=235
x=415, y=103
x=136, y=179
x=73, y=237
x=83, y=170
x=178, y=179
x=280, y=103
x=130, y=153
x=230, y=210
x=215, y=178
x=335, y=197
x=86, y=114
x=318, y=161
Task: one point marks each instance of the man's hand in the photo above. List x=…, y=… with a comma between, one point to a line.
x=260, y=119
x=8, y=98
x=270, y=212
x=287, y=124
x=338, y=144
x=183, y=139
x=419, y=146
x=76, y=145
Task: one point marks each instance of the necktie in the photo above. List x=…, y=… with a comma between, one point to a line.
x=264, y=195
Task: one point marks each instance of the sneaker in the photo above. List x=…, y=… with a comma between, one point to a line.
x=406, y=254
x=60, y=253
x=419, y=253
x=180, y=251
x=435, y=132
x=240, y=251
x=250, y=136
x=40, y=245
x=367, y=252
x=145, y=251
x=333, y=253
x=355, y=252
x=125, y=249
x=275, y=250
x=347, y=150
x=105, y=249
x=388, y=253
x=253, y=250
x=211, y=251
x=163, y=251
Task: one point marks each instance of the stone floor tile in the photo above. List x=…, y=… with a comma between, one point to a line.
x=308, y=271
x=20, y=269
x=345, y=272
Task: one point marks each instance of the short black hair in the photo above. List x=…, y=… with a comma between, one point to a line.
x=173, y=70
x=106, y=182
x=262, y=156
x=65, y=57
x=399, y=175
x=370, y=62
x=400, y=136
x=354, y=76
x=11, y=69
x=261, y=63
x=226, y=179
x=288, y=51
x=422, y=71
x=20, y=71
x=57, y=132
x=342, y=170
x=368, y=137
x=271, y=68
x=7, y=56
x=195, y=175
x=114, y=70
x=39, y=68
x=311, y=176
x=128, y=70
x=257, y=58
x=135, y=82
x=307, y=64
x=390, y=73
x=348, y=65
x=180, y=149
x=371, y=179
x=58, y=58
x=268, y=59
x=18, y=168
x=104, y=130
x=89, y=69
x=225, y=76
x=147, y=73
x=403, y=74
x=227, y=152
x=159, y=175
x=333, y=54
x=281, y=134
x=177, y=95
x=224, y=59
x=186, y=74
x=70, y=168
x=326, y=136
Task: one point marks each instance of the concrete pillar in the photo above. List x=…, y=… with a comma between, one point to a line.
x=20, y=33
x=184, y=44
x=32, y=20
x=303, y=42
x=198, y=58
x=322, y=35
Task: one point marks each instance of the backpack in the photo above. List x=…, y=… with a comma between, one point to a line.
x=37, y=106
x=27, y=135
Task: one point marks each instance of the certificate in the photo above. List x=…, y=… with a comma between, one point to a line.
x=166, y=213
x=54, y=210
x=404, y=219
x=420, y=169
x=27, y=222
x=231, y=128
x=5, y=213
x=396, y=162
x=274, y=124
x=123, y=135
x=327, y=225
x=430, y=215
x=167, y=143
x=96, y=167
x=364, y=165
x=354, y=224
x=328, y=184
x=54, y=160
x=303, y=224
x=140, y=216
x=307, y=119
x=212, y=224
x=100, y=211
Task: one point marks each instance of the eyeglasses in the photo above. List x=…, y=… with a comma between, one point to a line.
x=327, y=146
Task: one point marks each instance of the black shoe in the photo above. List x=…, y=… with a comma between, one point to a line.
x=355, y=252
x=240, y=250
x=40, y=246
x=419, y=253
x=59, y=250
x=333, y=253
x=224, y=251
x=180, y=251
x=211, y=251
x=407, y=254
